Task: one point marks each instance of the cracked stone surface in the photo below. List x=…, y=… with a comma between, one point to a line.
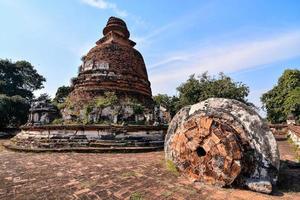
x=223, y=142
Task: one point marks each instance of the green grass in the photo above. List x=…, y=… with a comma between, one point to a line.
x=136, y=196
x=167, y=193
x=128, y=174
x=89, y=184
x=298, y=158
x=295, y=148
x=172, y=168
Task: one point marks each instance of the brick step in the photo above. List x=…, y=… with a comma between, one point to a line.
x=57, y=144
x=149, y=143
x=85, y=149
x=110, y=139
x=43, y=140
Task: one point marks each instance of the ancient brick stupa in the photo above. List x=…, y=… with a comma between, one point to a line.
x=113, y=66
x=110, y=107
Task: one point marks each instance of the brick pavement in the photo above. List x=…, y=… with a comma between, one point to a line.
x=104, y=176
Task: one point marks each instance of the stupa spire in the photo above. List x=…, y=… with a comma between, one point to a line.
x=117, y=25
x=116, y=31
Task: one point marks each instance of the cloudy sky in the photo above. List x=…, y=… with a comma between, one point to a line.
x=251, y=41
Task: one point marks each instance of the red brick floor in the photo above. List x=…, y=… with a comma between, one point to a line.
x=107, y=176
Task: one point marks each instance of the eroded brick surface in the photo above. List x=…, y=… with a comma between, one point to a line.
x=223, y=142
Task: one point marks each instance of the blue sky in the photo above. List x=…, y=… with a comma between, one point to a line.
x=251, y=41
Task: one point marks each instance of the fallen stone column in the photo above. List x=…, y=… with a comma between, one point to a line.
x=225, y=143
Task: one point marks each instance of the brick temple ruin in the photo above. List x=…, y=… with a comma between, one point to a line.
x=110, y=107
x=113, y=65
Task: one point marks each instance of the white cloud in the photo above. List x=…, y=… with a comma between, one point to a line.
x=222, y=57
x=103, y=4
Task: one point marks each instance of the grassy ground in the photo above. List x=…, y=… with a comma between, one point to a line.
x=295, y=148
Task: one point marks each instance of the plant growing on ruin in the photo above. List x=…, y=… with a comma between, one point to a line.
x=138, y=109
x=87, y=110
x=58, y=121
x=66, y=104
x=109, y=99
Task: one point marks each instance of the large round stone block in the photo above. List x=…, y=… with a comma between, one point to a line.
x=223, y=142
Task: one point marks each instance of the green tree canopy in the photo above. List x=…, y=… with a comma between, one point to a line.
x=200, y=88
x=18, y=80
x=284, y=98
x=205, y=86
x=61, y=94
x=14, y=110
x=169, y=102
x=43, y=97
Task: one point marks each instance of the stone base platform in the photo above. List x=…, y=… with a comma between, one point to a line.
x=89, y=138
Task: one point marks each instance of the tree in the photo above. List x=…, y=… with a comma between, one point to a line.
x=44, y=97
x=284, y=98
x=190, y=91
x=18, y=80
x=61, y=94
x=292, y=103
x=205, y=86
x=14, y=111
x=170, y=103
x=201, y=88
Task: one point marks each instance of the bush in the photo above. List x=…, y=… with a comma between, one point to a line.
x=58, y=121
x=138, y=108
